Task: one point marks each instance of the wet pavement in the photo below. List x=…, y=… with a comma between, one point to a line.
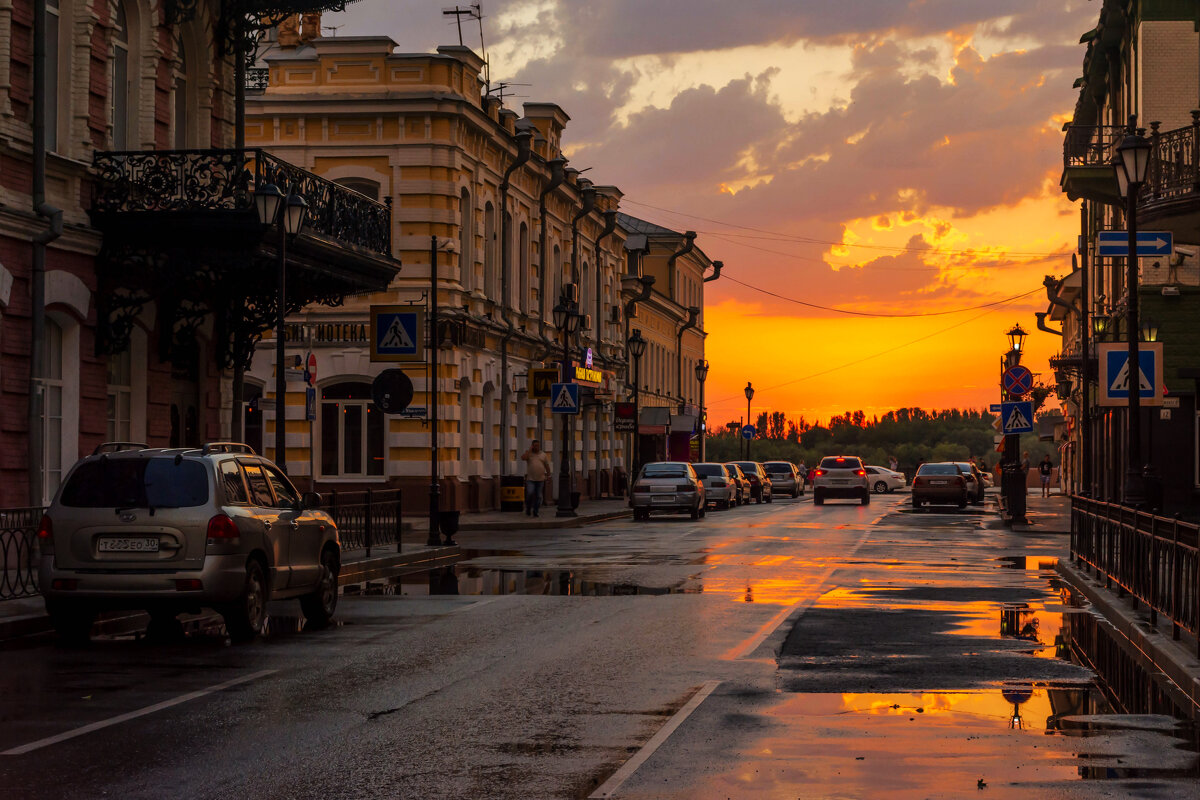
x=772, y=651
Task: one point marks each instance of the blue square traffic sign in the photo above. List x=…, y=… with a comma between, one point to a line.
x=1017, y=417
x=564, y=398
x=397, y=333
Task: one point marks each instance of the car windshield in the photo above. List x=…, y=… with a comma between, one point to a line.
x=840, y=462
x=709, y=470
x=776, y=467
x=159, y=482
x=664, y=471
x=966, y=468
x=748, y=467
x=938, y=469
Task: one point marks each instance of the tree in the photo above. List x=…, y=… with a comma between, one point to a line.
x=777, y=425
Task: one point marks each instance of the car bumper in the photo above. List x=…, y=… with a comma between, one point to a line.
x=840, y=490
x=665, y=502
x=783, y=486
x=718, y=495
x=942, y=496
x=222, y=579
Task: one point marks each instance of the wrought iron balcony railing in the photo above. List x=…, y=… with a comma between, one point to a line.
x=1091, y=145
x=258, y=78
x=1174, y=158
x=217, y=181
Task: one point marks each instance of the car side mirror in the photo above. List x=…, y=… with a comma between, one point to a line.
x=310, y=500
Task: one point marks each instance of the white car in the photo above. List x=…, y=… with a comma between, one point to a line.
x=884, y=480
x=841, y=476
x=719, y=488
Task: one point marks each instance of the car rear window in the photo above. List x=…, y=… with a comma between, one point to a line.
x=137, y=483
x=769, y=467
x=938, y=469
x=835, y=462
x=664, y=471
x=963, y=467
x=709, y=470
x=748, y=467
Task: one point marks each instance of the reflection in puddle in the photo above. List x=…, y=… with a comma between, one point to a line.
x=464, y=579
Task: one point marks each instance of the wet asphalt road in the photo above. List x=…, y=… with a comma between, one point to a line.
x=778, y=650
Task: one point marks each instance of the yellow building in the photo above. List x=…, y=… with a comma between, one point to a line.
x=418, y=131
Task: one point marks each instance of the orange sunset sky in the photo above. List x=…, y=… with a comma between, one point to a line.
x=884, y=157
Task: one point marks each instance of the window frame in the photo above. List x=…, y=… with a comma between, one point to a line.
x=365, y=403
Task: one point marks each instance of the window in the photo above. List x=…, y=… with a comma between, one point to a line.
x=52, y=409
x=466, y=233
x=53, y=54
x=252, y=419
x=233, y=483
x=137, y=483
x=119, y=90
x=491, y=278
x=120, y=393
x=361, y=185
x=285, y=494
x=180, y=97
x=526, y=302
x=352, y=432
x=260, y=491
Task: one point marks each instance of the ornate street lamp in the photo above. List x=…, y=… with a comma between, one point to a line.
x=1132, y=163
x=637, y=349
x=701, y=377
x=1149, y=331
x=567, y=320
x=1099, y=326
x=749, y=397
x=1016, y=338
x=268, y=201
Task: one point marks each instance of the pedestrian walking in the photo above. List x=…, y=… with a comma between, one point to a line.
x=1046, y=469
x=893, y=464
x=537, y=468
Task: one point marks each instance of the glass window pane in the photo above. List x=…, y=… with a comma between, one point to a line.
x=285, y=494
x=235, y=485
x=352, y=443
x=260, y=492
x=331, y=421
x=376, y=444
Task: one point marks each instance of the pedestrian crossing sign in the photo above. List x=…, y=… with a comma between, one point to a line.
x=397, y=333
x=1017, y=417
x=1115, y=375
x=564, y=398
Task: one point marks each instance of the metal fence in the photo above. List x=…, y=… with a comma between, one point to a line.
x=1152, y=558
x=18, y=545
x=366, y=519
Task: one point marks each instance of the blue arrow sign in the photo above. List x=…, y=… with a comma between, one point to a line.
x=564, y=398
x=1149, y=243
x=1017, y=417
x=748, y=431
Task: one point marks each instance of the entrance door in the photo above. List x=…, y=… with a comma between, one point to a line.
x=185, y=404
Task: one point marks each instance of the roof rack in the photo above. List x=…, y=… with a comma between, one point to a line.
x=227, y=447
x=119, y=447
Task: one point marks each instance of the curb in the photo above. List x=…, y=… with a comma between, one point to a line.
x=549, y=522
x=1171, y=657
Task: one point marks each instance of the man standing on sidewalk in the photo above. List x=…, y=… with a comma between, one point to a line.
x=1046, y=468
x=537, y=468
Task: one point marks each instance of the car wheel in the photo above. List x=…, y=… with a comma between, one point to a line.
x=818, y=498
x=72, y=622
x=916, y=501
x=245, y=617
x=962, y=503
x=703, y=512
x=866, y=497
x=771, y=497
x=319, y=606
x=696, y=512
x=880, y=487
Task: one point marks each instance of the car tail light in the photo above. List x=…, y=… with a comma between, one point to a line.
x=190, y=584
x=961, y=481
x=45, y=528
x=860, y=472
x=222, y=528
x=818, y=473
x=685, y=487
x=65, y=584
x=641, y=489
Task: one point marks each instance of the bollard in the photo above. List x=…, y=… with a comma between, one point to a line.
x=367, y=523
x=399, y=522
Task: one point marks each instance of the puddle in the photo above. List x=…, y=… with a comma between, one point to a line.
x=1033, y=563
x=463, y=579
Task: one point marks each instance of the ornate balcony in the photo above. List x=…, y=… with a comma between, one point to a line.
x=1088, y=152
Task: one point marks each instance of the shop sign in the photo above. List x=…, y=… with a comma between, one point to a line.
x=592, y=377
x=328, y=333
x=624, y=417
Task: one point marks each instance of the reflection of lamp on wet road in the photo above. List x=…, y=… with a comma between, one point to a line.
x=1016, y=695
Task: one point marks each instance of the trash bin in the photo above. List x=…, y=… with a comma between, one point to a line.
x=574, y=500
x=448, y=523
x=512, y=493
x=1152, y=488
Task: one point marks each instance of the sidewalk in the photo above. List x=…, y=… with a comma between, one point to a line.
x=1046, y=514
x=589, y=511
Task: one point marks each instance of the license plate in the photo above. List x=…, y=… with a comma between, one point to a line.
x=939, y=483
x=664, y=498
x=128, y=544
x=841, y=483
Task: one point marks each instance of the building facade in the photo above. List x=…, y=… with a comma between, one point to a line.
x=1141, y=64
x=487, y=193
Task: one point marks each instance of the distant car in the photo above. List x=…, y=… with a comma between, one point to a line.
x=744, y=489
x=719, y=489
x=785, y=479
x=988, y=481
x=974, y=476
x=667, y=486
x=761, y=488
x=841, y=476
x=939, y=483
x=174, y=530
x=884, y=480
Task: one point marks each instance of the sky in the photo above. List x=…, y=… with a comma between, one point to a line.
x=880, y=177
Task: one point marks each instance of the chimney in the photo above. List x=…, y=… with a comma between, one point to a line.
x=310, y=27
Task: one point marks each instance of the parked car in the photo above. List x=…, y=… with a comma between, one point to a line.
x=744, y=490
x=175, y=530
x=720, y=491
x=884, y=480
x=974, y=476
x=841, y=476
x=784, y=478
x=939, y=483
x=988, y=481
x=667, y=486
x=761, y=488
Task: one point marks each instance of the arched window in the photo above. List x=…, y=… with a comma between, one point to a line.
x=489, y=430
x=362, y=185
x=491, y=279
x=52, y=410
x=120, y=396
x=181, y=98
x=585, y=293
x=353, y=432
x=122, y=89
x=464, y=430
x=556, y=271
x=526, y=301
x=466, y=235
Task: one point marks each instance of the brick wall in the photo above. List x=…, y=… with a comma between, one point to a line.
x=1169, y=73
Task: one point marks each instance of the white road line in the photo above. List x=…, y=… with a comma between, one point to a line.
x=610, y=786
x=141, y=712
x=477, y=604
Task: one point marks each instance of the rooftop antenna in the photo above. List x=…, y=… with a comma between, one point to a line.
x=458, y=13
x=473, y=11
x=500, y=88
x=333, y=28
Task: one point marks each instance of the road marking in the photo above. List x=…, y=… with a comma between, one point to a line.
x=477, y=604
x=141, y=712
x=610, y=786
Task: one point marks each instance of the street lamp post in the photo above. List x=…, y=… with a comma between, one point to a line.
x=1012, y=479
x=749, y=397
x=288, y=217
x=637, y=348
x=567, y=321
x=701, y=377
x=1133, y=158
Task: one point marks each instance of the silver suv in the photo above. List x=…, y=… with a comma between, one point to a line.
x=174, y=530
x=841, y=476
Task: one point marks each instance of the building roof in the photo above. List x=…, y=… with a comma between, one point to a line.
x=635, y=225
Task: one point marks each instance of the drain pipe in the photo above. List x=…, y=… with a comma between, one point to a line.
x=523, y=138
x=54, y=217
x=1052, y=295
x=1042, y=326
x=689, y=244
x=717, y=265
x=610, y=225
x=588, y=200
x=693, y=318
x=558, y=174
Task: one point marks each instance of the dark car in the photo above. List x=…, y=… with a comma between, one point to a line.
x=939, y=484
x=744, y=492
x=784, y=478
x=975, y=483
x=760, y=483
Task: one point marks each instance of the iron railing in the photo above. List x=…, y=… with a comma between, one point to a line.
x=19, y=550
x=371, y=518
x=1091, y=145
x=258, y=79
x=224, y=181
x=1174, y=156
x=1154, y=559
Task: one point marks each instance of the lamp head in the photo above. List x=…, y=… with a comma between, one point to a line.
x=560, y=316
x=267, y=199
x=1133, y=156
x=294, y=214
x=702, y=370
x=636, y=344
x=749, y=391
x=1016, y=337
x=1149, y=330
